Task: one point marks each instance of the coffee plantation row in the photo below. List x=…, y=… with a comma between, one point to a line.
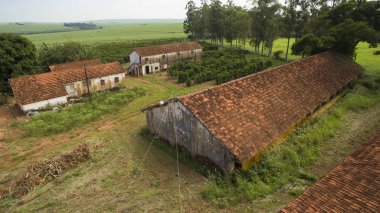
x=219, y=65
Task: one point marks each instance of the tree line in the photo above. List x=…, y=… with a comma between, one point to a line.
x=317, y=25
x=19, y=56
x=83, y=26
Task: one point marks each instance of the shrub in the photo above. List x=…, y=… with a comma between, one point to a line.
x=377, y=52
x=277, y=54
x=189, y=82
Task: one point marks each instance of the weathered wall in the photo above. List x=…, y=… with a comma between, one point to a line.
x=134, y=58
x=81, y=86
x=169, y=59
x=41, y=104
x=176, y=121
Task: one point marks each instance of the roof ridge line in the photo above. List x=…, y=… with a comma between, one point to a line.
x=251, y=75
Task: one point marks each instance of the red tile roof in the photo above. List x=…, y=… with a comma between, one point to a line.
x=249, y=113
x=353, y=186
x=74, y=65
x=45, y=86
x=167, y=48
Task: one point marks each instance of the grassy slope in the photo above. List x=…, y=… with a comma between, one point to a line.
x=105, y=183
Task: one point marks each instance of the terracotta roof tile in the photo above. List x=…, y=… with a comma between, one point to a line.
x=247, y=114
x=167, y=48
x=74, y=65
x=45, y=86
x=353, y=185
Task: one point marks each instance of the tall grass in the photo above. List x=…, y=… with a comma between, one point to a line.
x=78, y=114
x=285, y=165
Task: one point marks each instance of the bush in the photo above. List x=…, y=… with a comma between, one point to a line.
x=189, y=82
x=277, y=54
x=377, y=52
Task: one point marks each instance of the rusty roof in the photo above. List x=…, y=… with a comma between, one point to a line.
x=45, y=86
x=167, y=48
x=249, y=113
x=353, y=186
x=74, y=65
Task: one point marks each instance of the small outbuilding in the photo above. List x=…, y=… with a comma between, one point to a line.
x=234, y=123
x=148, y=60
x=34, y=92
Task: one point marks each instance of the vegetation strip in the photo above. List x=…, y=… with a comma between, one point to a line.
x=78, y=114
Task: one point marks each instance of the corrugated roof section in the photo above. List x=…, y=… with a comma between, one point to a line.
x=354, y=186
x=248, y=114
x=167, y=48
x=45, y=86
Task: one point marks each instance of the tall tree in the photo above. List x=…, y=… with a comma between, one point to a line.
x=242, y=25
x=190, y=23
x=215, y=21
x=229, y=21
x=264, y=15
x=17, y=57
x=289, y=21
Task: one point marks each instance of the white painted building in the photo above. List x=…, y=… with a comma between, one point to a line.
x=148, y=60
x=35, y=92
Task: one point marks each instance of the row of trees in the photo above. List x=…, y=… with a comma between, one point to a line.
x=19, y=56
x=325, y=21
x=83, y=26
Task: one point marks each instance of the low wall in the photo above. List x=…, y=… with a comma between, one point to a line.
x=41, y=104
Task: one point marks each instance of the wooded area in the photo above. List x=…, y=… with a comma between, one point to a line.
x=317, y=25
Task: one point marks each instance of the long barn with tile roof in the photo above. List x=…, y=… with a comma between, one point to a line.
x=151, y=59
x=34, y=92
x=233, y=124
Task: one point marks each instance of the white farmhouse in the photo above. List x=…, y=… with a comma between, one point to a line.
x=34, y=92
x=147, y=60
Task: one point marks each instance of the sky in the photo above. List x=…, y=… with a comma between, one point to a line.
x=90, y=10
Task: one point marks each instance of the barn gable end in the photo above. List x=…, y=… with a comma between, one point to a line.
x=174, y=122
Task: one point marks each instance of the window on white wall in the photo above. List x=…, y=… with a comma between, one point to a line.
x=116, y=80
x=70, y=88
x=102, y=82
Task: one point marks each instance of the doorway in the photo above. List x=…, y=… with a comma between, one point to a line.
x=147, y=71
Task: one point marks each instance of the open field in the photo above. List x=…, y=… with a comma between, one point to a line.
x=113, y=32
x=32, y=27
